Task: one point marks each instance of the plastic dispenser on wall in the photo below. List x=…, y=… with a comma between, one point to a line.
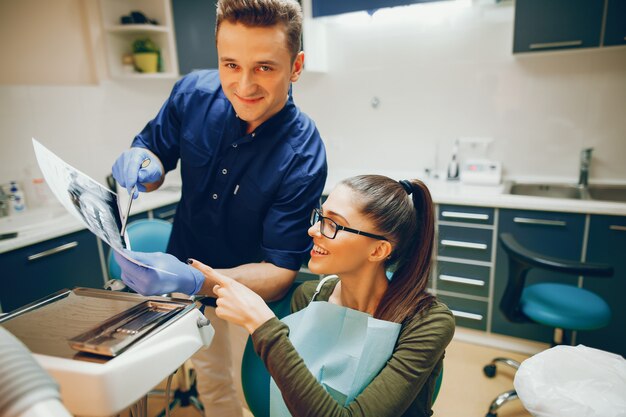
x=475, y=167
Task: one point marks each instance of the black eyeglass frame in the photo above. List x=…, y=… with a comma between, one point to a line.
x=316, y=216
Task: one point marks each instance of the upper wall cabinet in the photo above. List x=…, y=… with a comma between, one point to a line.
x=333, y=7
x=123, y=25
x=615, y=29
x=194, y=23
x=544, y=25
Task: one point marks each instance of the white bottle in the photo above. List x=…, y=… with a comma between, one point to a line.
x=16, y=197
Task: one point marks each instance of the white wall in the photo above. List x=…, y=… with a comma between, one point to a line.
x=87, y=126
x=445, y=70
x=46, y=42
x=440, y=70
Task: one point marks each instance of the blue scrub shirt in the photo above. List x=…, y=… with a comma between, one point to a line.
x=245, y=197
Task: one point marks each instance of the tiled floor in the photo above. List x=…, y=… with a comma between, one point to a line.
x=465, y=391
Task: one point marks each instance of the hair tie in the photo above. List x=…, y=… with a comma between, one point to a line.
x=407, y=186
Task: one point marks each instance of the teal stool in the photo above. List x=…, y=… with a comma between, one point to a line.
x=565, y=308
x=145, y=235
x=255, y=379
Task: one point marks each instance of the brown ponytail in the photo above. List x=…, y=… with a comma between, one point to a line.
x=409, y=224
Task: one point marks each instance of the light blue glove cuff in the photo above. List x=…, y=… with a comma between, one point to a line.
x=198, y=278
x=165, y=274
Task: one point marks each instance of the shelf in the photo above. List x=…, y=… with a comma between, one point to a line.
x=119, y=38
x=137, y=29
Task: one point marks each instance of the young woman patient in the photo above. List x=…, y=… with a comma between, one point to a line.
x=360, y=343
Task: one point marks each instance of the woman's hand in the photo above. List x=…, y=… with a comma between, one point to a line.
x=236, y=303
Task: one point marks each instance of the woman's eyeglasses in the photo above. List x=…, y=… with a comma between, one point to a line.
x=329, y=228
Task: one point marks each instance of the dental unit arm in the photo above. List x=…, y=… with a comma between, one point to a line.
x=26, y=390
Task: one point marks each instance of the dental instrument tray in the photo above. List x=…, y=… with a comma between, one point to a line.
x=120, y=331
x=139, y=342
x=79, y=323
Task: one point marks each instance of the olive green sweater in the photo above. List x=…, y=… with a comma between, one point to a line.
x=404, y=387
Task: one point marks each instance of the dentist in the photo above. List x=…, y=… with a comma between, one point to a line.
x=252, y=165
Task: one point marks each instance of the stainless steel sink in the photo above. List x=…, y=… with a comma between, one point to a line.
x=592, y=192
x=548, y=190
x=607, y=192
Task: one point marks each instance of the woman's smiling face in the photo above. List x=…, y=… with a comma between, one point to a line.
x=347, y=252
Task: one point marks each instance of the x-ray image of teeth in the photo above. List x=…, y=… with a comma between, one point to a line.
x=95, y=205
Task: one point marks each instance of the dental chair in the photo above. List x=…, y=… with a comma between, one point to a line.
x=152, y=235
x=255, y=379
x=565, y=308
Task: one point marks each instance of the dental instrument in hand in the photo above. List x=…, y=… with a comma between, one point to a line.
x=144, y=164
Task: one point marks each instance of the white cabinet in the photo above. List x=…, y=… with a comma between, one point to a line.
x=119, y=38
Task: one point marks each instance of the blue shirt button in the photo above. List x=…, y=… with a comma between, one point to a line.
x=234, y=145
x=214, y=196
x=224, y=171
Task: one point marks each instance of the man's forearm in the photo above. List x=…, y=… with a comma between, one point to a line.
x=268, y=280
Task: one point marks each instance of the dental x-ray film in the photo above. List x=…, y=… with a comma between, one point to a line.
x=90, y=202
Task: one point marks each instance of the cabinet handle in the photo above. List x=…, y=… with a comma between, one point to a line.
x=466, y=315
x=166, y=214
x=461, y=244
x=462, y=215
x=542, y=222
x=53, y=251
x=618, y=228
x=461, y=280
x=545, y=45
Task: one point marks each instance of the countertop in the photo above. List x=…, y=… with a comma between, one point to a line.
x=37, y=225
x=43, y=223
x=454, y=192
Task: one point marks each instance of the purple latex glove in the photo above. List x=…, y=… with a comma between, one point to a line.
x=128, y=171
x=146, y=281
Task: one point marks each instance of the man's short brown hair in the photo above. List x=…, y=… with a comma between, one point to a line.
x=264, y=13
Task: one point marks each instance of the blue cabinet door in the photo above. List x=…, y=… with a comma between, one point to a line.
x=607, y=244
x=35, y=271
x=333, y=7
x=194, y=26
x=554, y=234
x=543, y=25
x=615, y=29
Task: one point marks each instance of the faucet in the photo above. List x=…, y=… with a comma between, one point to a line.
x=585, y=161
